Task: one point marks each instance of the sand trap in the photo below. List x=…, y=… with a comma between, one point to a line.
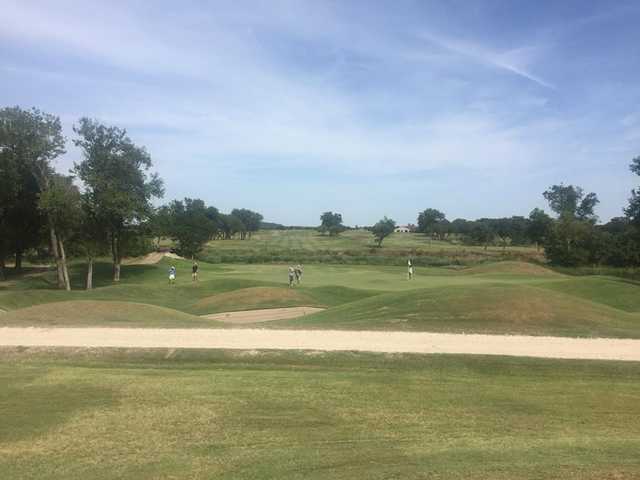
x=328, y=340
x=264, y=315
x=151, y=258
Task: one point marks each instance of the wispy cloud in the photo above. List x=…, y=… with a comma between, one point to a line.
x=220, y=93
x=516, y=61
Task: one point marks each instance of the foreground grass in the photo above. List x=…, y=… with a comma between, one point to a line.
x=106, y=414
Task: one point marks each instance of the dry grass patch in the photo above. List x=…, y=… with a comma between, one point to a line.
x=254, y=298
x=100, y=313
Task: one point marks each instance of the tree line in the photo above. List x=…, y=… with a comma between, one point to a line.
x=570, y=237
x=103, y=206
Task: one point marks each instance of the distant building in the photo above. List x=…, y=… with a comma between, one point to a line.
x=402, y=229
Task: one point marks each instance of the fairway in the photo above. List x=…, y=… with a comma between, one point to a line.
x=495, y=298
x=106, y=414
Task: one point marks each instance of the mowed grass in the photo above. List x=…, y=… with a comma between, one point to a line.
x=352, y=240
x=107, y=414
x=499, y=298
x=356, y=247
x=487, y=309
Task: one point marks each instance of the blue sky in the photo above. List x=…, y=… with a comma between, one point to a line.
x=368, y=108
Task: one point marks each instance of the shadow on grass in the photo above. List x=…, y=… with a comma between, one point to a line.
x=30, y=407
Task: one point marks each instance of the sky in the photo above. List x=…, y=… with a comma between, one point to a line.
x=367, y=108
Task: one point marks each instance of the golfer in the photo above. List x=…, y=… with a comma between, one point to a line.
x=298, y=272
x=172, y=274
x=292, y=275
x=194, y=272
x=410, y=268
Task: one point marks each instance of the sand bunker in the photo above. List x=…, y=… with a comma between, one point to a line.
x=264, y=315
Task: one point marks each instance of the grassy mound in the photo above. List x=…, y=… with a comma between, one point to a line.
x=253, y=298
x=513, y=268
x=489, y=308
x=102, y=313
x=616, y=293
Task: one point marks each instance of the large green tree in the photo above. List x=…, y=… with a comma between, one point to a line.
x=383, y=229
x=61, y=203
x=115, y=173
x=570, y=201
x=189, y=225
x=429, y=219
x=30, y=140
x=331, y=223
x=250, y=219
x=538, y=227
x=572, y=239
x=633, y=209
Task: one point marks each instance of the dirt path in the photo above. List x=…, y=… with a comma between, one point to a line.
x=265, y=315
x=250, y=339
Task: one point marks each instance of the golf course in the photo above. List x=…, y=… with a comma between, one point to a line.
x=171, y=412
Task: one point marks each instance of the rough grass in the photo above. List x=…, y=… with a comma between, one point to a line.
x=355, y=247
x=492, y=308
x=254, y=298
x=107, y=414
x=102, y=313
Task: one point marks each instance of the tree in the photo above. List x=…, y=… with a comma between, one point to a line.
x=230, y=225
x=633, y=210
x=62, y=205
x=570, y=201
x=571, y=243
x=383, y=229
x=189, y=225
x=428, y=219
x=573, y=239
x=251, y=220
x=30, y=140
x=91, y=237
x=114, y=173
x=331, y=223
x=538, y=227
x=480, y=232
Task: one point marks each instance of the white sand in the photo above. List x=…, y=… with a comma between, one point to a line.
x=406, y=342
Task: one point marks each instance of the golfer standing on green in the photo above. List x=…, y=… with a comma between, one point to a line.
x=292, y=276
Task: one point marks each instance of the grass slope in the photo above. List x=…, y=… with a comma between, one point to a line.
x=492, y=308
x=95, y=313
x=246, y=415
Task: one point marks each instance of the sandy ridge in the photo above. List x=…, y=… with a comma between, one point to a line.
x=327, y=340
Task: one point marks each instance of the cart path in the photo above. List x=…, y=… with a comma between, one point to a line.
x=264, y=315
x=326, y=340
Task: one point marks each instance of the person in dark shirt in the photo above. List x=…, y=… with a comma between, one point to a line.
x=194, y=272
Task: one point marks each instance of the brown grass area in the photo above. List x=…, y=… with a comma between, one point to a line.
x=254, y=298
x=97, y=313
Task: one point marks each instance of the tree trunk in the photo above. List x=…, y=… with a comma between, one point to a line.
x=65, y=271
x=56, y=255
x=18, y=265
x=89, y=285
x=2, y=266
x=115, y=253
